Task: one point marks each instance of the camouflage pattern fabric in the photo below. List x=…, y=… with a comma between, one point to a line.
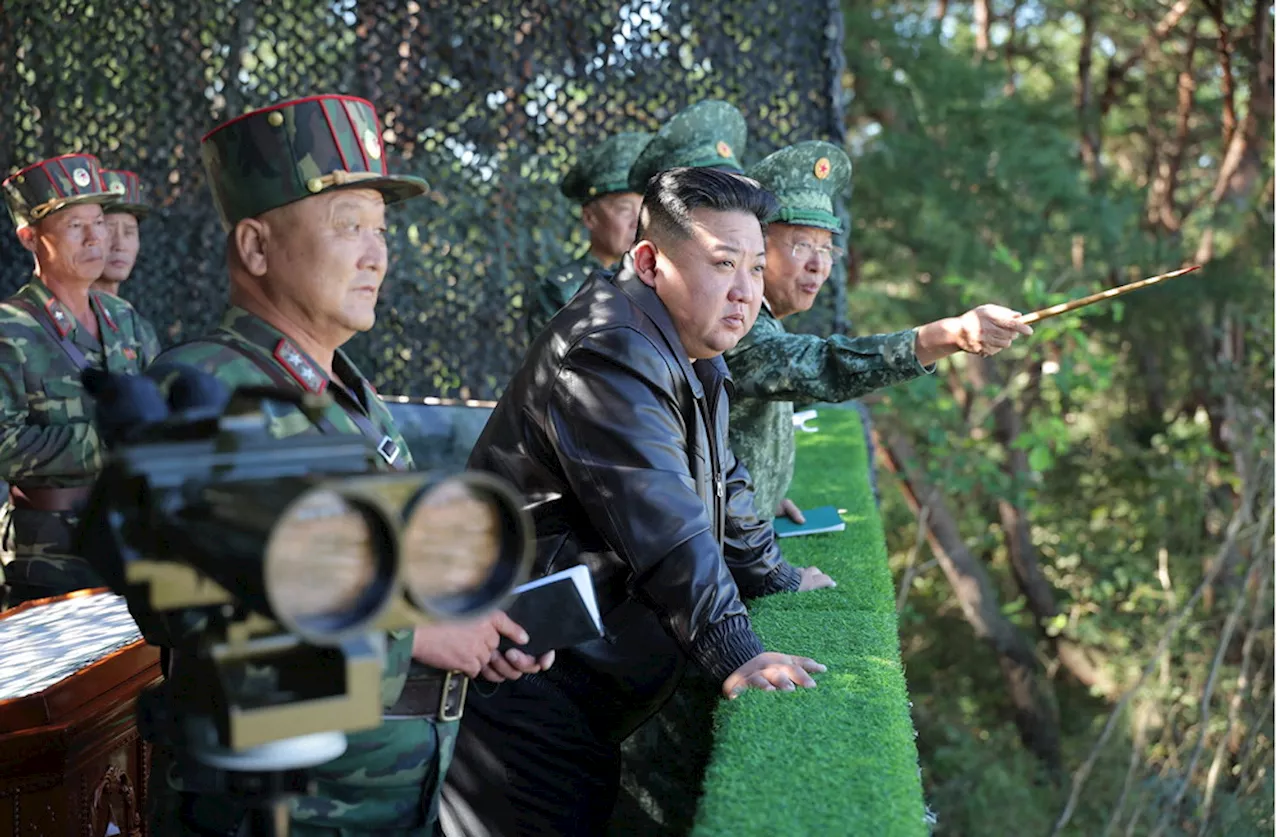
x=377, y=786
x=388, y=782
x=43, y=188
x=711, y=133
x=47, y=438
x=771, y=368
x=604, y=168
x=277, y=155
x=255, y=338
x=553, y=291
x=805, y=178
x=125, y=185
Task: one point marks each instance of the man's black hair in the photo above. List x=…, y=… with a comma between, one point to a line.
x=672, y=195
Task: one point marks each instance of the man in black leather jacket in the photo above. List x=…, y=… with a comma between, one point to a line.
x=616, y=426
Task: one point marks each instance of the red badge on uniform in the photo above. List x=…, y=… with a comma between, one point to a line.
x=302, y=370
x=130, y=354
x=62, y=320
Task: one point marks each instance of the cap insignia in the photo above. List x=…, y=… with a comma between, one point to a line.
x=372, y=145
x=822, y=168
x=81, y=177
x=724, y=149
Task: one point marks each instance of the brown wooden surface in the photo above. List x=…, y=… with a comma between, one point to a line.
x=70, y=757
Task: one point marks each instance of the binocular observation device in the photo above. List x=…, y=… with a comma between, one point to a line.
x=276, y=568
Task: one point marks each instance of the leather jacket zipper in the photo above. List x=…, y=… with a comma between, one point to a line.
x=713, y=453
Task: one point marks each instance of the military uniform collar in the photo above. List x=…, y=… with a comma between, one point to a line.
x=60, y=315
x=589, y=258
x=290, y=357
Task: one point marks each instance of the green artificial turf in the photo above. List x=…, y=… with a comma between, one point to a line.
x=839, y=759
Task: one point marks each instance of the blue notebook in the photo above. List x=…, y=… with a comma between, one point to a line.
x=816, y=521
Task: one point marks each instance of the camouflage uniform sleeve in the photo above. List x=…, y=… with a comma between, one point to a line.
x=63, y=450
x=750, y=548
x=804, y=367
x=148, y=340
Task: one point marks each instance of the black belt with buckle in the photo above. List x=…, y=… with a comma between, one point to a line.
x=431, y=693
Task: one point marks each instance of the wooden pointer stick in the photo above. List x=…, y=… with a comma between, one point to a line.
x=1062, y=308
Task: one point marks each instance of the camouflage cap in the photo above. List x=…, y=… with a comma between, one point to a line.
x=128, y=187
x=280, y=154
x=49, y=185
x=603, y=169
x=805, y=177
x=711, y=133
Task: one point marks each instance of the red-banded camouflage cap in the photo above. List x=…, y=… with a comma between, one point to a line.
x=45, y=187
x=128, y=187
x=280, y=154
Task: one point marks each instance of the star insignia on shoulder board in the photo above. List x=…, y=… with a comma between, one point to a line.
x=297, y=365
x=106, y=315
x=61, y=319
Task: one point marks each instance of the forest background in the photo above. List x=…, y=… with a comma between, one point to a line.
x=1082, y=528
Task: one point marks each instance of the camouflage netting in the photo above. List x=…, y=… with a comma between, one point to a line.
x=487, y=100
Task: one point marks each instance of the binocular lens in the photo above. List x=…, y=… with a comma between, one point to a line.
x=452, y=540
x=322, y=561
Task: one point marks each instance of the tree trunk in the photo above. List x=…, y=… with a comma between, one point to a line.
x=982, y=19
x=1024, y=558
x=1035, y=711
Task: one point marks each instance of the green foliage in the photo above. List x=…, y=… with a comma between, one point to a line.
x=1141, y=425
x=858, y=774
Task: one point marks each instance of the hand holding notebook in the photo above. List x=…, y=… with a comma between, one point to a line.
x=816, y=521
x=556, y=611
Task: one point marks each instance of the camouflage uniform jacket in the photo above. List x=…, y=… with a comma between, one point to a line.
x=47, y=435
x=553, y=291
x=377, y=786
x=772, y=368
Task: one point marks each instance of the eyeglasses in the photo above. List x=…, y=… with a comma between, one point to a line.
x=803, y=251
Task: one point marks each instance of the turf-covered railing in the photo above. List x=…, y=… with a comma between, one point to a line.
x=839, y=759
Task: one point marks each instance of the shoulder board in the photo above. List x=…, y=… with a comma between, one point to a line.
x=299, y=367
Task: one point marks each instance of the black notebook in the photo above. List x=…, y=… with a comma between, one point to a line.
x=557, y=611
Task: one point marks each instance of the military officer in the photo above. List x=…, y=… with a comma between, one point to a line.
x=122, y=230
x=597, y=183
x=771, y=368
x=302, y=189
x=54, y=327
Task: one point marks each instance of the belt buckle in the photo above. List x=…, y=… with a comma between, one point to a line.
x=454, y=681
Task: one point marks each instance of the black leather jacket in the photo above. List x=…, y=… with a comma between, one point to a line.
x=623, y=443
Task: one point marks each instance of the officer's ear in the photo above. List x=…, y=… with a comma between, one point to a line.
x=591, y=216
x=644, y=255
x=248, y=246
x=27, y=235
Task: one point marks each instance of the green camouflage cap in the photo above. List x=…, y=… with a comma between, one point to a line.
x=711, y=133
x=280, y=154
x=49, y=185
x=805, y=177
x=604, y=168
x=129, y=188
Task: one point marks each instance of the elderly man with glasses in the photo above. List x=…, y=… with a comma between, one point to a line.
x=772, y=368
